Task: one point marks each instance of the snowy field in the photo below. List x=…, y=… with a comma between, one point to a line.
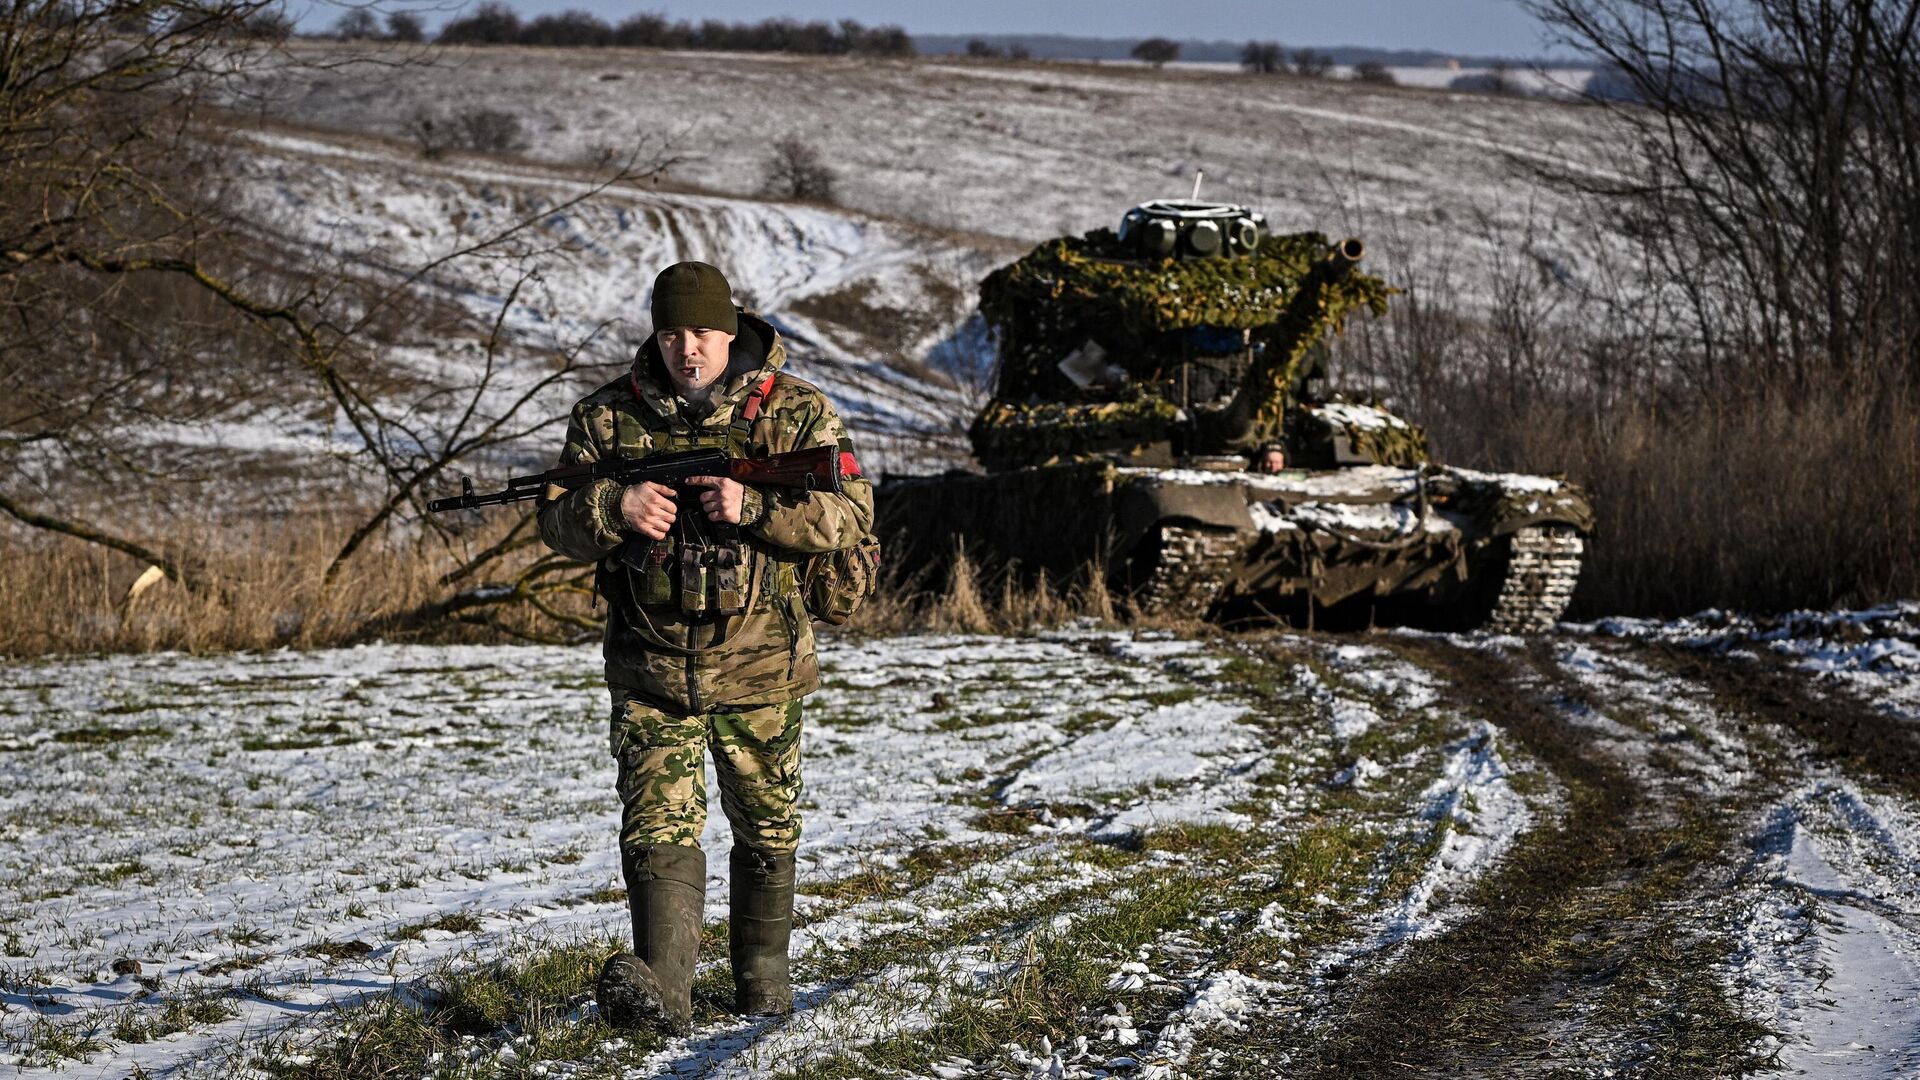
x=1433, y=180
x=1075, y=854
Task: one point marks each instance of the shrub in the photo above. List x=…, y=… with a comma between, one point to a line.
x=651, y=30
x=492, y=24
x=266, y=24
x=572, y=27
x=1157, y=51
x=795, y=171
x=1498, y=79
x=1374, y=72
x=489, y=131
x=405, y=26
x=481, y=129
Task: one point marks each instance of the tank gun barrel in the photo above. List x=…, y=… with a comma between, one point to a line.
x=1258, y=404
x=1343, y=257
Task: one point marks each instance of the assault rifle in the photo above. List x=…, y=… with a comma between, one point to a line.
x=816, y=468
x=709, y=551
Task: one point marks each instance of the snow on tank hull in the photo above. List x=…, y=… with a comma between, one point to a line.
x=1435, y=546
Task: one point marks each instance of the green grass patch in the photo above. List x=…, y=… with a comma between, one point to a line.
x=1178, y=695
x=533, y=997
x=242, y=934
x=144, y=1022
x=112, y=874
x=257, y=743
x=1012, y=820
x=104, y=734
x=232, y=964
x=340, y=950
x=47, y=1044
x=456, y=922
x=922, y=865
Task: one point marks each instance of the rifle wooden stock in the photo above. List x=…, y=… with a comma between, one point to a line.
x=816, y=468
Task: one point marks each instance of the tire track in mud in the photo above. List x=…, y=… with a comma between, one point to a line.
x=1835, y=726
x=1829, y=902
x=1584, y=923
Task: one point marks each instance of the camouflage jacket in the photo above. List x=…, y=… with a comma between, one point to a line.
x=690, y=664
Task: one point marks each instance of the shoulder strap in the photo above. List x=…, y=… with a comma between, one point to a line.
x=749, y=411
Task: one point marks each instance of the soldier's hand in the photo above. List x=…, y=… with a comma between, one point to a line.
x=723, y=498
x=648, y=508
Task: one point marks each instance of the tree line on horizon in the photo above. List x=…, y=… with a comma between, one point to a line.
x=496, y=23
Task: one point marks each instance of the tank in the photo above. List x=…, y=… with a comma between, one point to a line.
x=1160, y=416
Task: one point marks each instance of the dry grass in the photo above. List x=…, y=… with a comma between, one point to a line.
x=262, y=587
x=980, y=600
x=1732, y=484
x=249, y=588
x=1756, y=504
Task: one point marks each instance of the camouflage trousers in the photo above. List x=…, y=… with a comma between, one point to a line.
x=663, y=777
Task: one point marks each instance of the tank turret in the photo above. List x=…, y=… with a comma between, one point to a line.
x=1183, y=333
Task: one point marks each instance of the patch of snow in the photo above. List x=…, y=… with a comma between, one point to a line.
x=1366, y=417
x=1827, y=927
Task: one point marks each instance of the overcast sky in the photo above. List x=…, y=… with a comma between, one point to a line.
x=1460, y=26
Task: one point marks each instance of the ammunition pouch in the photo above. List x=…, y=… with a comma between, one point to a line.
x=835, y=583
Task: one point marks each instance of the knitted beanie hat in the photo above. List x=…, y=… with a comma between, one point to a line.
x=693, y=294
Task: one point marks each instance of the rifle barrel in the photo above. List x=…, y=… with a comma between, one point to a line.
x=816, y=468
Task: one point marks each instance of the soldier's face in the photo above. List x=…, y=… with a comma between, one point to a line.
x=696, y=357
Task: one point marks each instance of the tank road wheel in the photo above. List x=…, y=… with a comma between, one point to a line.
x=1186, y=571
x=1543, y=563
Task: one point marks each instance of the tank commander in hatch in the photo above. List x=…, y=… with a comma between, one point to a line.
x=704, y=654
x=1270, y=458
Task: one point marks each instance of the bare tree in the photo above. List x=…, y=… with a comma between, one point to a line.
x=358, y=24
x=492, y=23
x=1263, y=58
x=573, y=27
x=136, y=294
x=1311, y=65
x=1778, y=172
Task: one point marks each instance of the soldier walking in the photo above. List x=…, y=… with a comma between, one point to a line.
x=708, y=643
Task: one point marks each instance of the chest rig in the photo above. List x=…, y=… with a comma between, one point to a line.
x=702, y=570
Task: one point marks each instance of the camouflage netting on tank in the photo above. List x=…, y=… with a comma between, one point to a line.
x=1052, y=300
x=1288, y=295
x=1009, y=435
x=1370, y=432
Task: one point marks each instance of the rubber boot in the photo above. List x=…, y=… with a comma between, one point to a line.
x=759, y=929
x=652, y=990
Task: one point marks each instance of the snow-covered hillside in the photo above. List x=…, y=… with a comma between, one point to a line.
x=1431, y=179
x=583, y=273
x=946, y=168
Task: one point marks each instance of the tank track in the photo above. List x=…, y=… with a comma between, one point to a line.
x=1543, y=564
x=1193, y=568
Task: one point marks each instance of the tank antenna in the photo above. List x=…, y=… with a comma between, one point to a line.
x=1198, y=175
